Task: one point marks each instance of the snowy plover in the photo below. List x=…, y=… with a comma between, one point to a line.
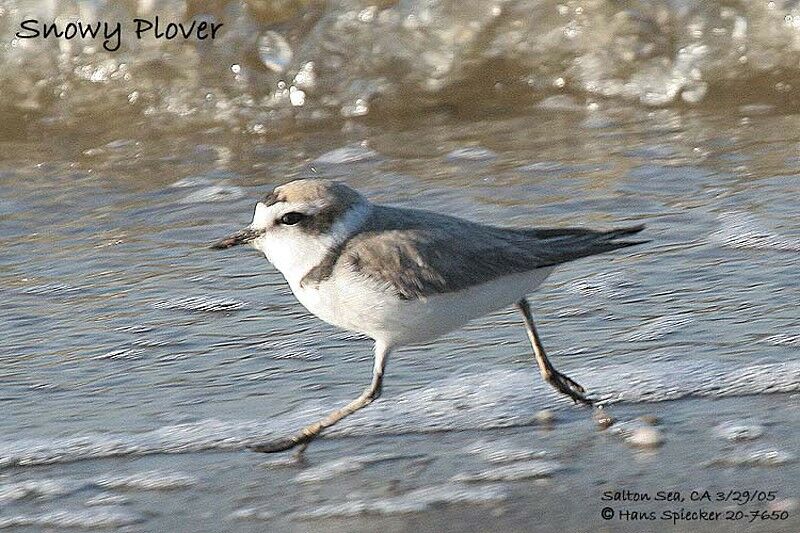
x=405, y=276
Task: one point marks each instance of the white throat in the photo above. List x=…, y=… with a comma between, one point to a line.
x=294, y=252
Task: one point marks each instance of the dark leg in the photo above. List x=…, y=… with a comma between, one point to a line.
x=303, y=437
x=555, y=378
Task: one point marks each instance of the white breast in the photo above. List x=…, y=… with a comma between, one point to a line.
x=295, y=254
x=353, y=303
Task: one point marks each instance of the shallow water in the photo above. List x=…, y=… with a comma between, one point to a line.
x=137, y=364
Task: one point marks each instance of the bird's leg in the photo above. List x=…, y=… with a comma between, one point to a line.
x=302, y=438
x=552, y=376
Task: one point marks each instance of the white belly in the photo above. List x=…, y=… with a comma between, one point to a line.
x=357, y=305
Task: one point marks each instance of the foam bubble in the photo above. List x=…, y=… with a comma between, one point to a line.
x=105, y=499
x=93, y=518
x=410, y=502
x=39, y=489
x=251, y=513
x=532, y=469
x=200, y=303
x=56, y=289
x=743, y=230
x=152, y=480
x=343, y=465
x=214, y=193
x=348, y=155
x=122, y=353
x=193, y=181
x=472, y=153
x=736, y=431
x=782, y=339
x=501, y=451
x=766, y=456
x=608, y=284
x=657, y=328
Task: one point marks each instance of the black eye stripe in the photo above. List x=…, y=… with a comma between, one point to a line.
x=291, y=218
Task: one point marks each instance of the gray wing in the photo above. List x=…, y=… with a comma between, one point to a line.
x=416, y=254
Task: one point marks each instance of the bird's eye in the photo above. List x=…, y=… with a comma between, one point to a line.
x=292, y=218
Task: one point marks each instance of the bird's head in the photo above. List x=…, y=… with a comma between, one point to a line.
x=297, y=223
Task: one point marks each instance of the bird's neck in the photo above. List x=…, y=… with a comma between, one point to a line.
x=296, y=255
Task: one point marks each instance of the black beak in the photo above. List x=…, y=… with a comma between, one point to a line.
x=240, y=237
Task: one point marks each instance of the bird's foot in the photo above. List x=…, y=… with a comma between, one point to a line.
x=283, y=444
x=568, y=386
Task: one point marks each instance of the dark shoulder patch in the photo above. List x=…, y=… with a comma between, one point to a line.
x=324, y=270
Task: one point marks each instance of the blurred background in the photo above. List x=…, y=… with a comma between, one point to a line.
x=136, y=364
x=284, y=65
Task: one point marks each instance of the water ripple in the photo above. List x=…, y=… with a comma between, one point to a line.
x=491, y=399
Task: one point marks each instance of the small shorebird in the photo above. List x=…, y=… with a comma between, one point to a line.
x=405, y=276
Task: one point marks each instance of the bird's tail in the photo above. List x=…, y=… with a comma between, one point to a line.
x=623, y=232
x=569, y=244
